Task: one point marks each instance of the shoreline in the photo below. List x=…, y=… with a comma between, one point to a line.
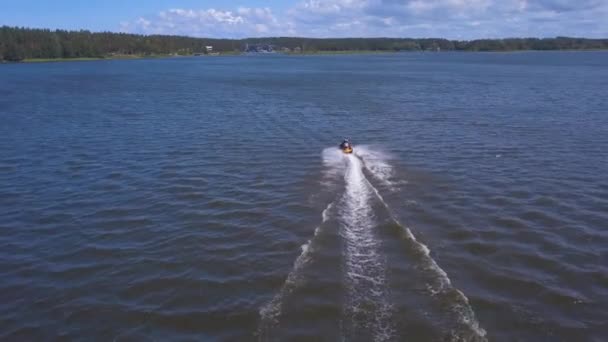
x=305, y=53
x=109, y=58
x=89, y=59
x=341, y=52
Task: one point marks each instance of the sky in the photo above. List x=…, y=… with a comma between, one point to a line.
x=452, y=19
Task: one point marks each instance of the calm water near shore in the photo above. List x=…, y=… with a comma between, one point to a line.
x=205, y=198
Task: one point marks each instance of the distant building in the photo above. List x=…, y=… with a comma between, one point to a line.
x=260, y=48
x=209, y=48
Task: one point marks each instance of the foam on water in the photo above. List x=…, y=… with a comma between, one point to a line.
x=368, y=308
x=442, y=285
x=377, y=163
x=335, y=164
x=271, y=312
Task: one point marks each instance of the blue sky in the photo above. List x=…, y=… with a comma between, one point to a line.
x=454, y=19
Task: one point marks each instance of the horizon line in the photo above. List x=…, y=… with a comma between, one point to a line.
x=291, y=37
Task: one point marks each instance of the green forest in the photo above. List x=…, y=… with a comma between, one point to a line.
x=18, y=44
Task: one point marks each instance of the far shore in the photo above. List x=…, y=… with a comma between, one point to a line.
x=343, y=52
x=85, y=59
x=238, y=53
x=220, y=54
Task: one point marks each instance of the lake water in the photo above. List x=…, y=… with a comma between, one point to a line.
x=205, y=198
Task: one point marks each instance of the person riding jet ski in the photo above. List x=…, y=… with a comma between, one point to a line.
x=346, y=146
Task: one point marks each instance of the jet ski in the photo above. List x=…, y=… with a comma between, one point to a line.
x=346, y=146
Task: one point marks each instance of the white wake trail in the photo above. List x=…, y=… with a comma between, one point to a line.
x=367, y=310
x=442, y=286
x=377, y=163
x=335, y=164
x=271, y=312
x=368, y=306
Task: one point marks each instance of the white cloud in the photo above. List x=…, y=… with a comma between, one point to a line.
x=330, y=7
x=143, y=22
x=456, y=19
x=242, y=22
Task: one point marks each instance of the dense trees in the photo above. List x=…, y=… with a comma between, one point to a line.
x=21, y=43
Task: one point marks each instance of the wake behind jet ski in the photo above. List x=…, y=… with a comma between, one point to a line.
x=346, y=146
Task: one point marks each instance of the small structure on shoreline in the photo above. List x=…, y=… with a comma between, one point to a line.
x=260, y=48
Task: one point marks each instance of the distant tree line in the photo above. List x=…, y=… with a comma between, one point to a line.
x=17, y=44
